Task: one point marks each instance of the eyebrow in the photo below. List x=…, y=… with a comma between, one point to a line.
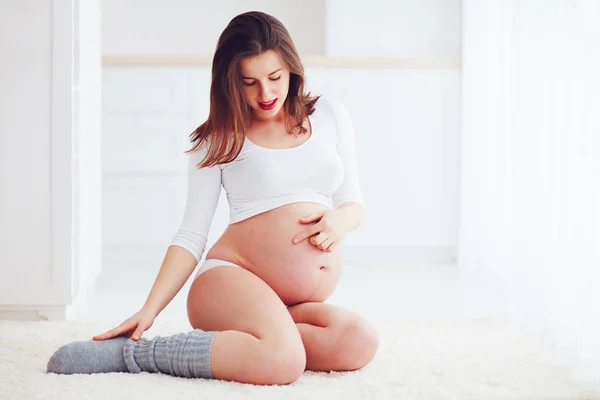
x=245, y=77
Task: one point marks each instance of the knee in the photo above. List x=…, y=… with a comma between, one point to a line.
x=358, y=343
x=282, y=363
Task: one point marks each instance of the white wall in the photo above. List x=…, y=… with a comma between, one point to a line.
x=394, y=28
x=87, y=173
x=49, y=156
x=25, y=133
x=408, y=160
x=406, y=119
x=180, y=27
x=530, y=195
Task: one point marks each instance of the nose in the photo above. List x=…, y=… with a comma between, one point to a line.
x=265, y=93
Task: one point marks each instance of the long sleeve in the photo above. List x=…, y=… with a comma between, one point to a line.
x=203, y=190
x=350, y=189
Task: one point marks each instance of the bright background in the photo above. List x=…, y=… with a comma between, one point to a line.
x=477, y=127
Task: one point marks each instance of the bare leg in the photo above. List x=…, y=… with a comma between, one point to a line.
x=335, y=339
x=258, y=341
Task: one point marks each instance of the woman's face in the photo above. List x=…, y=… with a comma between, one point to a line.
x=265, y=84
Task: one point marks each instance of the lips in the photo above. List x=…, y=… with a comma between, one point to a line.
x=268, y=106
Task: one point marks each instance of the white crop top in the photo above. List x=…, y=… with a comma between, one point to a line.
x=320, y=170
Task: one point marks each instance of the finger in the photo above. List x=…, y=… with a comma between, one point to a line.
x=107, y=335
x=103, y=336
x=124, y=327
x=138, y=333
x=308, y=233
x=326, y=244
x=141, y=328
x=318, y=239
x=311, y=217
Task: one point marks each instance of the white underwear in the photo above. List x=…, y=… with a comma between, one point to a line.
x=214, y=262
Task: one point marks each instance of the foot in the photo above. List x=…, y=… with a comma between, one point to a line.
x=89, y=357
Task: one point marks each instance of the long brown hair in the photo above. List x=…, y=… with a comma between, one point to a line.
x=247, y=35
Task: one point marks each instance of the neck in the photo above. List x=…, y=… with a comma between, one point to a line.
x=276, y=119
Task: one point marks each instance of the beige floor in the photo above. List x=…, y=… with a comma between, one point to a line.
x=431, y=347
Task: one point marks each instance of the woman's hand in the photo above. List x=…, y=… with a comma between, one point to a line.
x=138, y=324
x=330, y=227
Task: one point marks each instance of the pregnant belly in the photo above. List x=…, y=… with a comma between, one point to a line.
x=263, y=245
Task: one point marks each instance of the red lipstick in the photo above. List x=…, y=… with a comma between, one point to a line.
x=268, y=106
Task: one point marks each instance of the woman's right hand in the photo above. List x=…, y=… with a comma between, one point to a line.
x=133, y=327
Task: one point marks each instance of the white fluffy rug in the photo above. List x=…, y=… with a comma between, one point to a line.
x=462, y=360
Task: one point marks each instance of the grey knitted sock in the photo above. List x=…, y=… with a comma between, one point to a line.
x=184, y=354
x=89, y=357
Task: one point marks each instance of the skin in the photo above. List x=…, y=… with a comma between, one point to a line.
x=265, y=78
x=333, y=338
x=265, y=335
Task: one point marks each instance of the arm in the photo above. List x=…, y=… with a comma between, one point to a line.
x=187, y=246
x=349, y=211
x=348, y=198
x=353, y=213
x=176, y=268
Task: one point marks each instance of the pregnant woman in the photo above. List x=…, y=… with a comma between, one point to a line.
x=287, y=162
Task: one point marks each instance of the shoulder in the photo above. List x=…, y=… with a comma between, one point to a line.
x=335, y=113
x=199, y=153
x=324, y=106
x=331, y=108
x=200, y=149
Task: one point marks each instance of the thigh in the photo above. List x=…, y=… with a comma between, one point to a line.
x=335, y=339
x=230, y=298
x=257, y=341
x=322, y=314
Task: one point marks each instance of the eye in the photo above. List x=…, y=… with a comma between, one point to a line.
x=250, y=84
x=275, y=79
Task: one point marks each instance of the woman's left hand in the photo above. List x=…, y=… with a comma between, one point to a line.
x=329, y=228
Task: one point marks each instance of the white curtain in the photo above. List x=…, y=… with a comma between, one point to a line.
x=530, y=168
